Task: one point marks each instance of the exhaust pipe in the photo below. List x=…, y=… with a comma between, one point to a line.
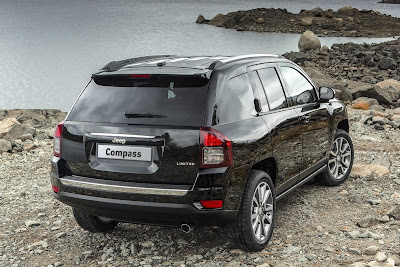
x=187, y=228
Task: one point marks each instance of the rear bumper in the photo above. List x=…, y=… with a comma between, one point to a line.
x=131, y=202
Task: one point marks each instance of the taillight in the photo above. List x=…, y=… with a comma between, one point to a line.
x=57, y=140
x=55, y=188
x=215, y=149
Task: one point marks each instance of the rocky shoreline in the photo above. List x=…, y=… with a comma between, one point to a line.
x=347, y=21
x=355, y=224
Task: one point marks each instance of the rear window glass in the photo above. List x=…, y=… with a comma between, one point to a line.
x=163, y=100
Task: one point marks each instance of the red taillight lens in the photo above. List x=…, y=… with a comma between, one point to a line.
x=142, y=76
x=57, y=140
x=215, y=149
x=55, y=188
x=212, y=204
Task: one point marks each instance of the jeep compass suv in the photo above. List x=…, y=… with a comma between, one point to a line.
x=191, y=141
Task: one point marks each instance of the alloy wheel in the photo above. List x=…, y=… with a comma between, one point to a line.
x=262, y=211
x=339, y=158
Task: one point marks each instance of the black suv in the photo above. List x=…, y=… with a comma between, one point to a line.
x=191, y=141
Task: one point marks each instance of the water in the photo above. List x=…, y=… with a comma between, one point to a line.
x=49, y=48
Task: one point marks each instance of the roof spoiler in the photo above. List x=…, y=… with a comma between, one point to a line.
x=115, y=65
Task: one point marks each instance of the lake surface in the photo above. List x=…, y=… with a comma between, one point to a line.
x=49, y=48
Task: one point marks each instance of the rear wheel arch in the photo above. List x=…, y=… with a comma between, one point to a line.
x=269, y=166
x=344, y=125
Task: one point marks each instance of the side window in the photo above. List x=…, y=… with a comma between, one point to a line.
x=261, y=93
x=301, y=90
x=242, y=88
x=273, y=88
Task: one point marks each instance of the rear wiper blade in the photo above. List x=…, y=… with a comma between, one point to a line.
x=143, y=115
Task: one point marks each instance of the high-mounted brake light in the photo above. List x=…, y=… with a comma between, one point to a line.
x=57, y=140
x=143, y=76
x=215, y=149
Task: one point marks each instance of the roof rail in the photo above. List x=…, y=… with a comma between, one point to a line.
x=221, y=62
x=115, y=65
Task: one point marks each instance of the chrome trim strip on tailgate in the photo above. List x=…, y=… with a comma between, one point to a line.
x=123, y=135
x=123, y=188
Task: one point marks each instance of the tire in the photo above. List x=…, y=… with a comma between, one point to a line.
x=244, y=235
x=92, y=223
x=339, y=165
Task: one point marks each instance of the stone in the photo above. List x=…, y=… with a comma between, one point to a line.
x=200, y=19
x=237, y=251
x=354, y=251
x=302, y=258
x=368, y=222
x=5, y=146
x=61, y=235
x=371, y=250
x=306, y=21
x=292, y=249
x=394, y=212
x=387, y=63
x=41, y=137
x=380, y=257
x=308, y=41
x=368, y=170
x=389, y=82
x=296, y=57
x=347, y=10
x=359, y=264
x=260, y=21
x=30, y=223
x=26, y=137
x=19, y=130
x=311, y=257
x=369, y=101
x=6, y=125
x=325, y=48
x=379, y=120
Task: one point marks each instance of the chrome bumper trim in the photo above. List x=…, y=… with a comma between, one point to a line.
x=123, y=188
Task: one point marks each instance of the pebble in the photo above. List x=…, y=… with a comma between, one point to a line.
x=30, y=223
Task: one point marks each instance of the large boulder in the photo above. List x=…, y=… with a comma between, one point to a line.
x=306, y=21
x=347, y=10
x=19, y=130
x=369, y=101
x=308, y=41
x=6, y=125
x=387, y=63
x=386, y=96
x=389, y=82
x=4, y=146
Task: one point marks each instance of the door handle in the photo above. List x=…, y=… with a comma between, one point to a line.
x=305, y=118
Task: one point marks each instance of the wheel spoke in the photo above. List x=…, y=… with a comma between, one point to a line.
x=347, y=154
x=337, y=170
x=268, y=217
x=331, y=161
x=345, y=163
x=345, y=146
x=254, y=216
x=266, y=196
x=258, y=231
x=269, y=208
x=261, y=193
x=255, y=223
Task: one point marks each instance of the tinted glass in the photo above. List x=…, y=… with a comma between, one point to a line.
x=273, y=88
x=242, y=88
x=157, y=101
x=298, y=85
x=261, y=93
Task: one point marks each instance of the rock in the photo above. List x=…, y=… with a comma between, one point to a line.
x=60, y=235
x=368, y=222
x=395, y=212
x=311, y=257
x=41, y=137
x=385, y=96
x=380, y=257
x=292, y=249
x=384, y=161
x=369, y=101
x=302, y=258
x=237, y=251
x=26, y=137
x=387, y=63
x=5, y=146
x=6, y=125
x=359, y=264
x=368, y=170
x=306, y=21
x=395, y=258
x=296, y=57
x=325, y=48
x=308, y=41
x=347, y=10
x=260, y=21
x=379, y=120
x=389, y=82
x=19, y=130
x=371, y=250
x=200, y=19
x=30, y=223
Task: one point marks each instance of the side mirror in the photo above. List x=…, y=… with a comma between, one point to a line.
x=326, y=94
x=257, y=105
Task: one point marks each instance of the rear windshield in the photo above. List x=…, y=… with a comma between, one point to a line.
x=168, y=100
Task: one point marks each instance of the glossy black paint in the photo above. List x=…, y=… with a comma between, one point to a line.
x=290, y=143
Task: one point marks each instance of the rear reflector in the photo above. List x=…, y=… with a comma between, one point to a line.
x=55, y=189
x=143, y=76
x=57, y=140
x=212, y=204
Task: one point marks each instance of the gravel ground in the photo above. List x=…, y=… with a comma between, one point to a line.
x=316, y=225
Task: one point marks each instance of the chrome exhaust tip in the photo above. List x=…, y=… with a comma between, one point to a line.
x=186, y=228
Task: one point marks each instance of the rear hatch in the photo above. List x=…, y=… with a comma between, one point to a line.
x=138, y=128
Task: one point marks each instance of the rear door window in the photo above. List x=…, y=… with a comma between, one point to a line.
x=165, y=100
x=273, y=88
x=242, y=88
